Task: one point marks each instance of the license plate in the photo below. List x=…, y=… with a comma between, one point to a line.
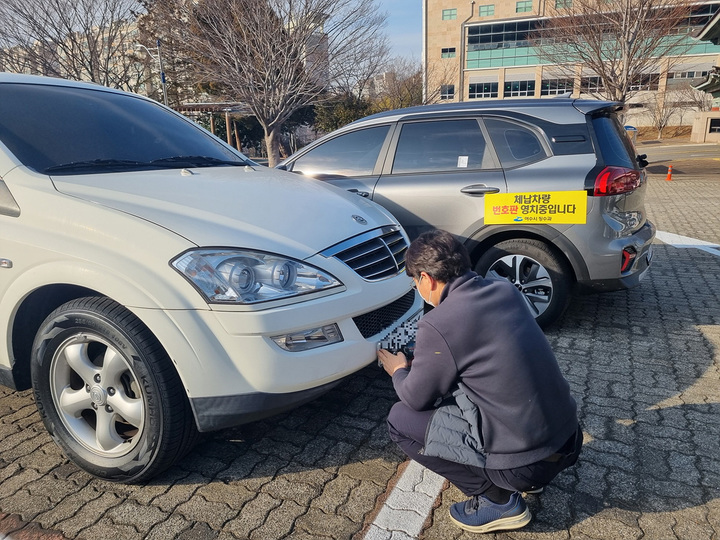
x=402, y=334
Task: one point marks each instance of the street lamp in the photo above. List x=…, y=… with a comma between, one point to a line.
x=162, y=70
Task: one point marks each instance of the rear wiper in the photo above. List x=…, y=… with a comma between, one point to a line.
x=103, y=164
x=197, y=161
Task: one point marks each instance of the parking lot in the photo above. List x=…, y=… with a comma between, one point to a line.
x=642, y=364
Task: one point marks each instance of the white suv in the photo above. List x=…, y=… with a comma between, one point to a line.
x=155, y=283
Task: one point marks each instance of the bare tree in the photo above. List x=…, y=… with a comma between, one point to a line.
x=620, y=41
x=660, y=108
x=87, y=40
x=400, y=85
x=276, y=56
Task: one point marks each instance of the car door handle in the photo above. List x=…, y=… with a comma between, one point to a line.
x=479, y=189
x=361, y=193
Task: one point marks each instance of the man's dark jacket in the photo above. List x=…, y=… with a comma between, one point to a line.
x=482, y=335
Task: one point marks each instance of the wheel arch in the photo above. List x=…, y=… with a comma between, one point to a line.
x=40, y=290
x=30, y=314
x=484, y=239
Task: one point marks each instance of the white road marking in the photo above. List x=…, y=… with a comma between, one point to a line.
x=679, y=241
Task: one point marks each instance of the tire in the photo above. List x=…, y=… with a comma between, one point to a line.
x=107, y=392
x=544, y=278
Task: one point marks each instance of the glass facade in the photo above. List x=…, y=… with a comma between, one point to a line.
x=507, y=44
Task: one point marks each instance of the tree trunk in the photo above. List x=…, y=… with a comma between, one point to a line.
x=272, y=143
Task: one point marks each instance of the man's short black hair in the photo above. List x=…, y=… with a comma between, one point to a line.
x=439, y=254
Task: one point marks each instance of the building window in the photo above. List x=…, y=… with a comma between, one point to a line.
x=556, y=87
x=449, y=14
x=523, y=7
x=592, y=84
x=448, y=52
x=447, y=91
x=519, y=89
x=688, y=75
x=483, y=90
x=646, y=82
x=563, y=4
x=487, y=10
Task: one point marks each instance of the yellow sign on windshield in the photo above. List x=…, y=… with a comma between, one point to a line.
x=549, y=207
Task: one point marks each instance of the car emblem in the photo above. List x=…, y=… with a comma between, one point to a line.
x=361, y=220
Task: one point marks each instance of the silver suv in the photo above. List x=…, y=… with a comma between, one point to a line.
x=546, y=193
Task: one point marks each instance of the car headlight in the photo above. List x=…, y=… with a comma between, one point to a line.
x=249, y=277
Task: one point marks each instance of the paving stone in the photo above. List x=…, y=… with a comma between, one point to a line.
x=280, y=521
x=140, y=517
x=169, y=529
x=282, y=488
x=252, y=516
x=87, y=515
x=315, y=522
x=198, y=509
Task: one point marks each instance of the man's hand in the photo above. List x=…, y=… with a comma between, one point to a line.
x=392, y=362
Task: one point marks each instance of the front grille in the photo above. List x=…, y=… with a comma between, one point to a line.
x=374, y=322
x=374, y=255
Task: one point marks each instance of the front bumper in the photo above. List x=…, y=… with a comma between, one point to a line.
x=219, y=412
x=233, y=371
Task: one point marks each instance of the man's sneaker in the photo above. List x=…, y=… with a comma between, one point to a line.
x=480, y=515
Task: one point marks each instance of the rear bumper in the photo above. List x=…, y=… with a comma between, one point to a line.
x=642, y=242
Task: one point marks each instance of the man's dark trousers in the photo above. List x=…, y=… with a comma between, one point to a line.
x=408, y=427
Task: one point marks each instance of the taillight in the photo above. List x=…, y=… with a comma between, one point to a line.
x=616, y=180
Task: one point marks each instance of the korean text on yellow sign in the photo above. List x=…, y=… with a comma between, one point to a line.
x=550, y=207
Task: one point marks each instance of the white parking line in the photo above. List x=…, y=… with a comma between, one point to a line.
x=679, y=241
x=408, y=505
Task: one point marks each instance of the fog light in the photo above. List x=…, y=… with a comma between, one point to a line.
x=628, y=256
x=309, y=339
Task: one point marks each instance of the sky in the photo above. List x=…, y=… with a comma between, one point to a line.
x=404, y=27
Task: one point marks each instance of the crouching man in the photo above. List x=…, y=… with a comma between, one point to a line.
x=484, y=404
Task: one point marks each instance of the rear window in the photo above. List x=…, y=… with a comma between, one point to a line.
x=615, y=147
x=516, y=145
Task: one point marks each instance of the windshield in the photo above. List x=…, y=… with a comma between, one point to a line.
x=64, y=130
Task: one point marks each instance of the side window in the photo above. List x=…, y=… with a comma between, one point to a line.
x=514, y=143
x=443, y=145
x=351, y=154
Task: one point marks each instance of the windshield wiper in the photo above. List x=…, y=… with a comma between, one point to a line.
x=103, y=164
x=198, y=161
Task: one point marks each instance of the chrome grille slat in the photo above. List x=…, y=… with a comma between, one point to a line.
x=373, y=255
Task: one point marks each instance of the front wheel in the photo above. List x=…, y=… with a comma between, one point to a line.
x=107, y=392
x=544, y=279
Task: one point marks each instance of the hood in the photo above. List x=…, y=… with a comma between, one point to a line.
x=240, y=207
